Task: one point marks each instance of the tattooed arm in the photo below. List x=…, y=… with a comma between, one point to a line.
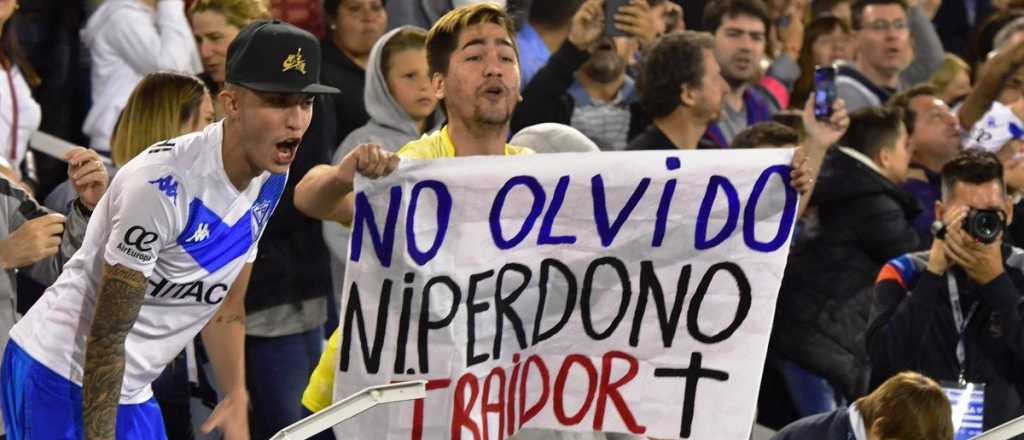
x=224, y=338
x=117, y=305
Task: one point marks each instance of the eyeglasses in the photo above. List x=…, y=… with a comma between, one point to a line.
x=883, y=25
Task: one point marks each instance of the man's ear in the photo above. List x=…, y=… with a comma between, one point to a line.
x=438, y=82
x=884, y=158
x=228, y=98
x=688, y=95
x=875, y=430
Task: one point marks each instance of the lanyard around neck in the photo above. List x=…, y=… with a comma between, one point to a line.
x=959, y=320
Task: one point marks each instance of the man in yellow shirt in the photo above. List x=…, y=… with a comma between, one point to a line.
x=474, y=69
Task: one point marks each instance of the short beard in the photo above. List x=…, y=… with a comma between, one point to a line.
x=734, y=82
x=604, y=68
x=490, y=123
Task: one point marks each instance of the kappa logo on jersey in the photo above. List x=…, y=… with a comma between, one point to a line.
x=136, y=243
x=167, y=185
x=225, y=241
x=201, y=234
x=196, y=290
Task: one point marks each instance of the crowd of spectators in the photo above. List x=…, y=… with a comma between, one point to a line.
x=886, y=291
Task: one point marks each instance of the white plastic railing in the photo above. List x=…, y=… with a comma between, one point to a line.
x=1005, y=431
x=352, y=406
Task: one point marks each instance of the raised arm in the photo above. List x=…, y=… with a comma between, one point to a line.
x=89, y=178
x=994, y=75
x=325, y=192
x=819, y=136
x=122, y=291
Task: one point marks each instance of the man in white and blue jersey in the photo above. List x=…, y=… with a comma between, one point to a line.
x=167, y=254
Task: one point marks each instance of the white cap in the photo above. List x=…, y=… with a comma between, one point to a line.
x=999, y=126
x=550, y=137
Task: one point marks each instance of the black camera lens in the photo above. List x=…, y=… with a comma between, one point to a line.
x=984, y=224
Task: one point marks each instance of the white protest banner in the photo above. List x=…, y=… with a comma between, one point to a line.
x=619, y=292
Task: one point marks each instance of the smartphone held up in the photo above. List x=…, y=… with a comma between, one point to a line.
x=611, y=7
x=824, y=91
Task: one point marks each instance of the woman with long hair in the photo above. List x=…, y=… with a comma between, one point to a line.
x=826, y=41
x=163, y=106
x=20, y=114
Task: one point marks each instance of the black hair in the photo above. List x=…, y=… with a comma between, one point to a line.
x=872, y=129
x=673, y=61
x=972, y=166
x=717, y=10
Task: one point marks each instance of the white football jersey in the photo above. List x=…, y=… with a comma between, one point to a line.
x=172, y=214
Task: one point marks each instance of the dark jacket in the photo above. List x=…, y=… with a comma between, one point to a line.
x=927, y=192
x=293, y=264
x=834, y=425
x=862, y=221
x=652, y=138
x=339, y=71
x=954, y=20
x=912, y=328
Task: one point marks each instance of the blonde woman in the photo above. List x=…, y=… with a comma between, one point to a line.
x=164, y=105
x=215, y=23
x=953, y=80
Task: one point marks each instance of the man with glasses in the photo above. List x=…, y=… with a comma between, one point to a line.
x=883, y=30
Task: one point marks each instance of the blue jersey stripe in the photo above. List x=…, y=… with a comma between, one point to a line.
x=212, y=243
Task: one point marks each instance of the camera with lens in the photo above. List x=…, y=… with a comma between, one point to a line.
x=985, y=225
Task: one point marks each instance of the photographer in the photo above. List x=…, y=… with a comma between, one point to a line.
x=953, y=312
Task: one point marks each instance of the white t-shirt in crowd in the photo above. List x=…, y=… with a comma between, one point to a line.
x=172, y=214
x=29, y=115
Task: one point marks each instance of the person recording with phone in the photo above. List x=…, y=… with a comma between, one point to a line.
x=587, y=76
x=860, y=220
x=953, y=312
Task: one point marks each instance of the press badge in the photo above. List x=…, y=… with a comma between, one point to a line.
x=968, y=402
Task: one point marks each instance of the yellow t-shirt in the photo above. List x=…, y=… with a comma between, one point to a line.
x=439, y=145
x=320, y=391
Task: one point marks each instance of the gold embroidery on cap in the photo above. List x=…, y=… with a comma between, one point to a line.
x=294, y=62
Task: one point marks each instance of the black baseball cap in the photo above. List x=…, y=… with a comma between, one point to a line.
x=274, y=56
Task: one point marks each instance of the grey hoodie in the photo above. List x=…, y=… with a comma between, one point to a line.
x=390, y=127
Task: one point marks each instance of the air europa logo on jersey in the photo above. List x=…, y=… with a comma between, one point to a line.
x=196, y=291
x=136, y=243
